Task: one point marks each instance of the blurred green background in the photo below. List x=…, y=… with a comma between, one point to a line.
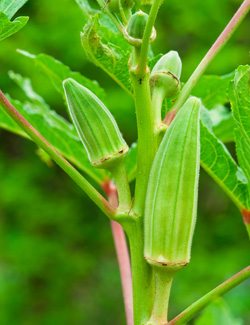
x=57, y=260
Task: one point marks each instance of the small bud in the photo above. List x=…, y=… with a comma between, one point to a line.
x=95, y=125
x=171, y=202
x=166, y=73
x=137, y=24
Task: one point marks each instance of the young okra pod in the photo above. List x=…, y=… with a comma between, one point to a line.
x=171, y=201
x=165, y=75
x=95, y=125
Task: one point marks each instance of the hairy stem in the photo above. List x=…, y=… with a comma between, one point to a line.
x=92, y=193
x=162, y=284
x=197, y=306
x=147, y=142
x=213, y=51
x=141, y=273
x=142, y=64
x=121, y=181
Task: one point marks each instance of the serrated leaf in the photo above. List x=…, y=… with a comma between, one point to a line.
x=240, y=101
x=8, y=28
x=213, y=90
x=10, y=7
x=56, y=71
x=104, y=46
x=58, y=131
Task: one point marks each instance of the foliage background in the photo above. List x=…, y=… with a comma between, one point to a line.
x=57, y=260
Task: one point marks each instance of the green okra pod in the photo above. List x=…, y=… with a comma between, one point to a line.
x=95, y=125
x=136, y=28
x=165, y=75
x=171, y=201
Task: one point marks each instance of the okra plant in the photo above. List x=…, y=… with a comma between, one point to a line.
x=150, y=190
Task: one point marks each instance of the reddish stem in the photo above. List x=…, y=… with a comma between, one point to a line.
x=246, y=216
x=122, y=254
x=212, y=52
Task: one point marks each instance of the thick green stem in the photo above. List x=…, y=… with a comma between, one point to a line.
x=213, y=51
x=141, y=273
x=197, y=306
x=147, y=35
x=162, y=284
x=121, y=181
x=93, y=194
x=147, y=142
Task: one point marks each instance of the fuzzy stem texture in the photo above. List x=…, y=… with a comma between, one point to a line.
x=121, y=181
x=162, y=286
x=147, y=142
x=141, y=272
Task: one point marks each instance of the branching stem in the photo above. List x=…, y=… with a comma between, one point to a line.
x=121, y=181
x=92, y=193
x=197, y=306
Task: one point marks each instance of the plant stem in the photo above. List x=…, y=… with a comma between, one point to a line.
x=163, y=283
x=197, y=306
x=121, y=181
x=213, y=51
x=157, y=100
x=92, y=193
x=147, y=142
x=246, y=219
x=141, y=272
x=124, y=268
x=142, y=64
x=122, y=255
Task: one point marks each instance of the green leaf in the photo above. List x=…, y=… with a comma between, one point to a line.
x=219, y=164
x=217, y=313
x=240, y=101
x=213, y=90
x=222, y=123
x=104, y=46
x=10, y=7
x=8, y=28
x=56, y=71
x=58, y=131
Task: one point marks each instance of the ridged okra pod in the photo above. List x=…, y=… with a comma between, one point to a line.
x=95, y=125
x=171, y=201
